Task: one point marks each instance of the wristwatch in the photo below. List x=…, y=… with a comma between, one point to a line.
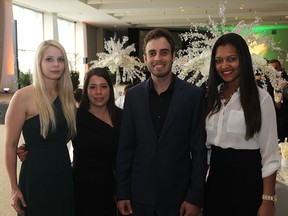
x=269, y=198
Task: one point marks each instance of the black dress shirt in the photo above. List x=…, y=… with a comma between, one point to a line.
x=159, y=105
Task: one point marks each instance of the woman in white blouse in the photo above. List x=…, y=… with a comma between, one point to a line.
x=241, y=133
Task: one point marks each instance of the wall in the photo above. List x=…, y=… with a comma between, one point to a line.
x=2, y=19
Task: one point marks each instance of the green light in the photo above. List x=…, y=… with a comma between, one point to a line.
x=262, y=27
x=256, y=29
x=270, y=27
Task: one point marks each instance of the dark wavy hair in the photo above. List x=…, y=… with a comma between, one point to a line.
x=158, y=33
x=85, y=103
x=249, y=95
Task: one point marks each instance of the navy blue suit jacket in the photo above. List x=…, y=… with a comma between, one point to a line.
x=173, y=168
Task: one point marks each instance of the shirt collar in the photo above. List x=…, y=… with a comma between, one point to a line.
x=170, y=87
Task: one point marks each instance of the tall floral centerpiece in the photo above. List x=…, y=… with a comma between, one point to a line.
x=118, y=60
x=193, y=63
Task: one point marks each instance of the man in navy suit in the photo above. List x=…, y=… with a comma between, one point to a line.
x=161, y=160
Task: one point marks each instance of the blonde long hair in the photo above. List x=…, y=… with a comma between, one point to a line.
x=65, y=93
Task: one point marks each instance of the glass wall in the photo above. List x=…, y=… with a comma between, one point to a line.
x=29, y=35
x=66, y=32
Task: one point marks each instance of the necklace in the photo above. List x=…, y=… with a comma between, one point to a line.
x=221, y=94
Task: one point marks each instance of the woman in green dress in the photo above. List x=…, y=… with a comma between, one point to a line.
x=45, y=113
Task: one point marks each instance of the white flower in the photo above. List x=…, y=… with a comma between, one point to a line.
x=193, y=63
x=196, y=68
x=119, y=57
x=118, y=60
x=261, y=67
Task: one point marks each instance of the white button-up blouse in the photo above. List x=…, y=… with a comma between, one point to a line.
x=227, y=129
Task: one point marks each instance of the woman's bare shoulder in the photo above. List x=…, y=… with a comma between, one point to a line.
x=21, y=106
x=24, y=98
x=24, y=94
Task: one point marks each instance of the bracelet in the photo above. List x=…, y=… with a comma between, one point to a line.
x=269, y=198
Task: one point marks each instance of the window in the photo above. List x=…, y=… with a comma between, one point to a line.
x=66, y=33
x=29, y=35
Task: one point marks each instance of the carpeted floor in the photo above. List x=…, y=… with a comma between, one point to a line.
x=5, y=207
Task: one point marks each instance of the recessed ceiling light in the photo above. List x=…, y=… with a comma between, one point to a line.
x=6, y=90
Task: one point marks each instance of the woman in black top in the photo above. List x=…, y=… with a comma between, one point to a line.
x=98, y=121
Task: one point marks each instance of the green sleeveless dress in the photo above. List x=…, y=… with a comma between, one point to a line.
x=46, y=175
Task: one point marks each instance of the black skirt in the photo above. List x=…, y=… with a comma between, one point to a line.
x=234, y=185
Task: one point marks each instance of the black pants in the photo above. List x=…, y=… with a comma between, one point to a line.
x=140, y=209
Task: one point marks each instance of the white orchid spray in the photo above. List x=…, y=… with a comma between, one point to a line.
x=261, y=66
x=117, y=57
x=193, y=63
x=197, y=67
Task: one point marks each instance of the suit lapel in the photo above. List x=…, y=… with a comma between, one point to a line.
x=146, y=110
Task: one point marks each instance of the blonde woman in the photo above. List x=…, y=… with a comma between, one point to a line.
x=45, y=113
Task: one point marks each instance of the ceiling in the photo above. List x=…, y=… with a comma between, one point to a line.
x=161, y=13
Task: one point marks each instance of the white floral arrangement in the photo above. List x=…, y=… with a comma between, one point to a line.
x=117, y=57
x=198, y=67
x=261, y=66
x=284, y=149
x=193, y=63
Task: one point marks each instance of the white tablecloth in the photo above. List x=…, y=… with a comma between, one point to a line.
x=282, y=192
